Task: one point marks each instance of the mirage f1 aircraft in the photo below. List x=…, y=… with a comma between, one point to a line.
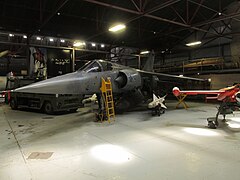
x=130, y=86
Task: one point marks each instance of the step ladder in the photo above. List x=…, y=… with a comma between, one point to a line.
x=108, y=113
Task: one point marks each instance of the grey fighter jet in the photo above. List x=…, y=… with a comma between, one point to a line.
x=130, y=86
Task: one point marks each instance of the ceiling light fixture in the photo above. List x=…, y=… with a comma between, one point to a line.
x=11, y=35
x=117, y=27
x=24, y=36
x=144, y=52
x=38, y=38
x=62, y=41
x=51, y=39
x=102, y=45
x=79, y=43
x=93, y=44
x=194, y=43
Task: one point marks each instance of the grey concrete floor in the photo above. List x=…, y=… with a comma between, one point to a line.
x=176, y=145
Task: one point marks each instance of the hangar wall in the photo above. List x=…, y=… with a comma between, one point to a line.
x=219, y=81
x=217, y=51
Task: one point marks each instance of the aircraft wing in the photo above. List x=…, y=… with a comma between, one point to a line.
x=164, y=83
x=169, y=76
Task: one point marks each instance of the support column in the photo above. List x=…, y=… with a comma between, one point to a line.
x=139, y=62
x=73, y=59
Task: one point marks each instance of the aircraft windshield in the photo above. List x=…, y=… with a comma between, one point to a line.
x=100, y=65
x=84, y=66
x=106, y=66
x=91, y=66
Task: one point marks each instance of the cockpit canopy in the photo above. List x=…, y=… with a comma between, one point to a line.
x=99, y=66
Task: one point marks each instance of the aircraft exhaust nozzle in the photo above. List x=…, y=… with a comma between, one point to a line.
x=176, y=91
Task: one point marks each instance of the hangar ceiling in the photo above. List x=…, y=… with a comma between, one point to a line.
x=156, y=24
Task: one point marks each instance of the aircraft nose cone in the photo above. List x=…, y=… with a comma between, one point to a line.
x=176, y=91
x=65, y=84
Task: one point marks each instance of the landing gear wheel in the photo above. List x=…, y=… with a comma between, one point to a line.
x=162, y=111
x=48, y=109
x=212, y=125
x=13, y=104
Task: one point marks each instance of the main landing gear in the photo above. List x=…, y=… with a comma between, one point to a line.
x=158, y=110
x=224, y=109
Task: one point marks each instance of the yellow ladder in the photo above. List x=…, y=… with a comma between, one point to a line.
x=107, y=96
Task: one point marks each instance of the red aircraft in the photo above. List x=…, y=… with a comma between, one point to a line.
x=229, y=98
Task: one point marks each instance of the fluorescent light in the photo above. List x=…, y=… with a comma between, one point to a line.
x=24, y=36
x=51, y=39
x=79, y=43
x=93, y=44
x=102, y=45
x=38, y=38
x=62, y=40
x=11, y=35
x=193, y=43
x=144, y=52
x=117, y=28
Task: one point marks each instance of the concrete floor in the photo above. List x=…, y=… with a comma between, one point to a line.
x=176, y=145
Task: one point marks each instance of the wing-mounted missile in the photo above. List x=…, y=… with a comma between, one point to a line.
x=128, y=79
x=93, y=98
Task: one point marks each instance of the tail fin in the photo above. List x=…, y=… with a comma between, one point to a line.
x=150, y=62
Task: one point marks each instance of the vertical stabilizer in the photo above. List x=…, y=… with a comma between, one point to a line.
x=150, y=62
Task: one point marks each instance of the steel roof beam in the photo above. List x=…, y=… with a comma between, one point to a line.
x=53, y=14
x=218, y=19
x=206, y=7
x=178, y=15
x=147, y=13
x=196, y=11
x=113, y=6
x=136, y=6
